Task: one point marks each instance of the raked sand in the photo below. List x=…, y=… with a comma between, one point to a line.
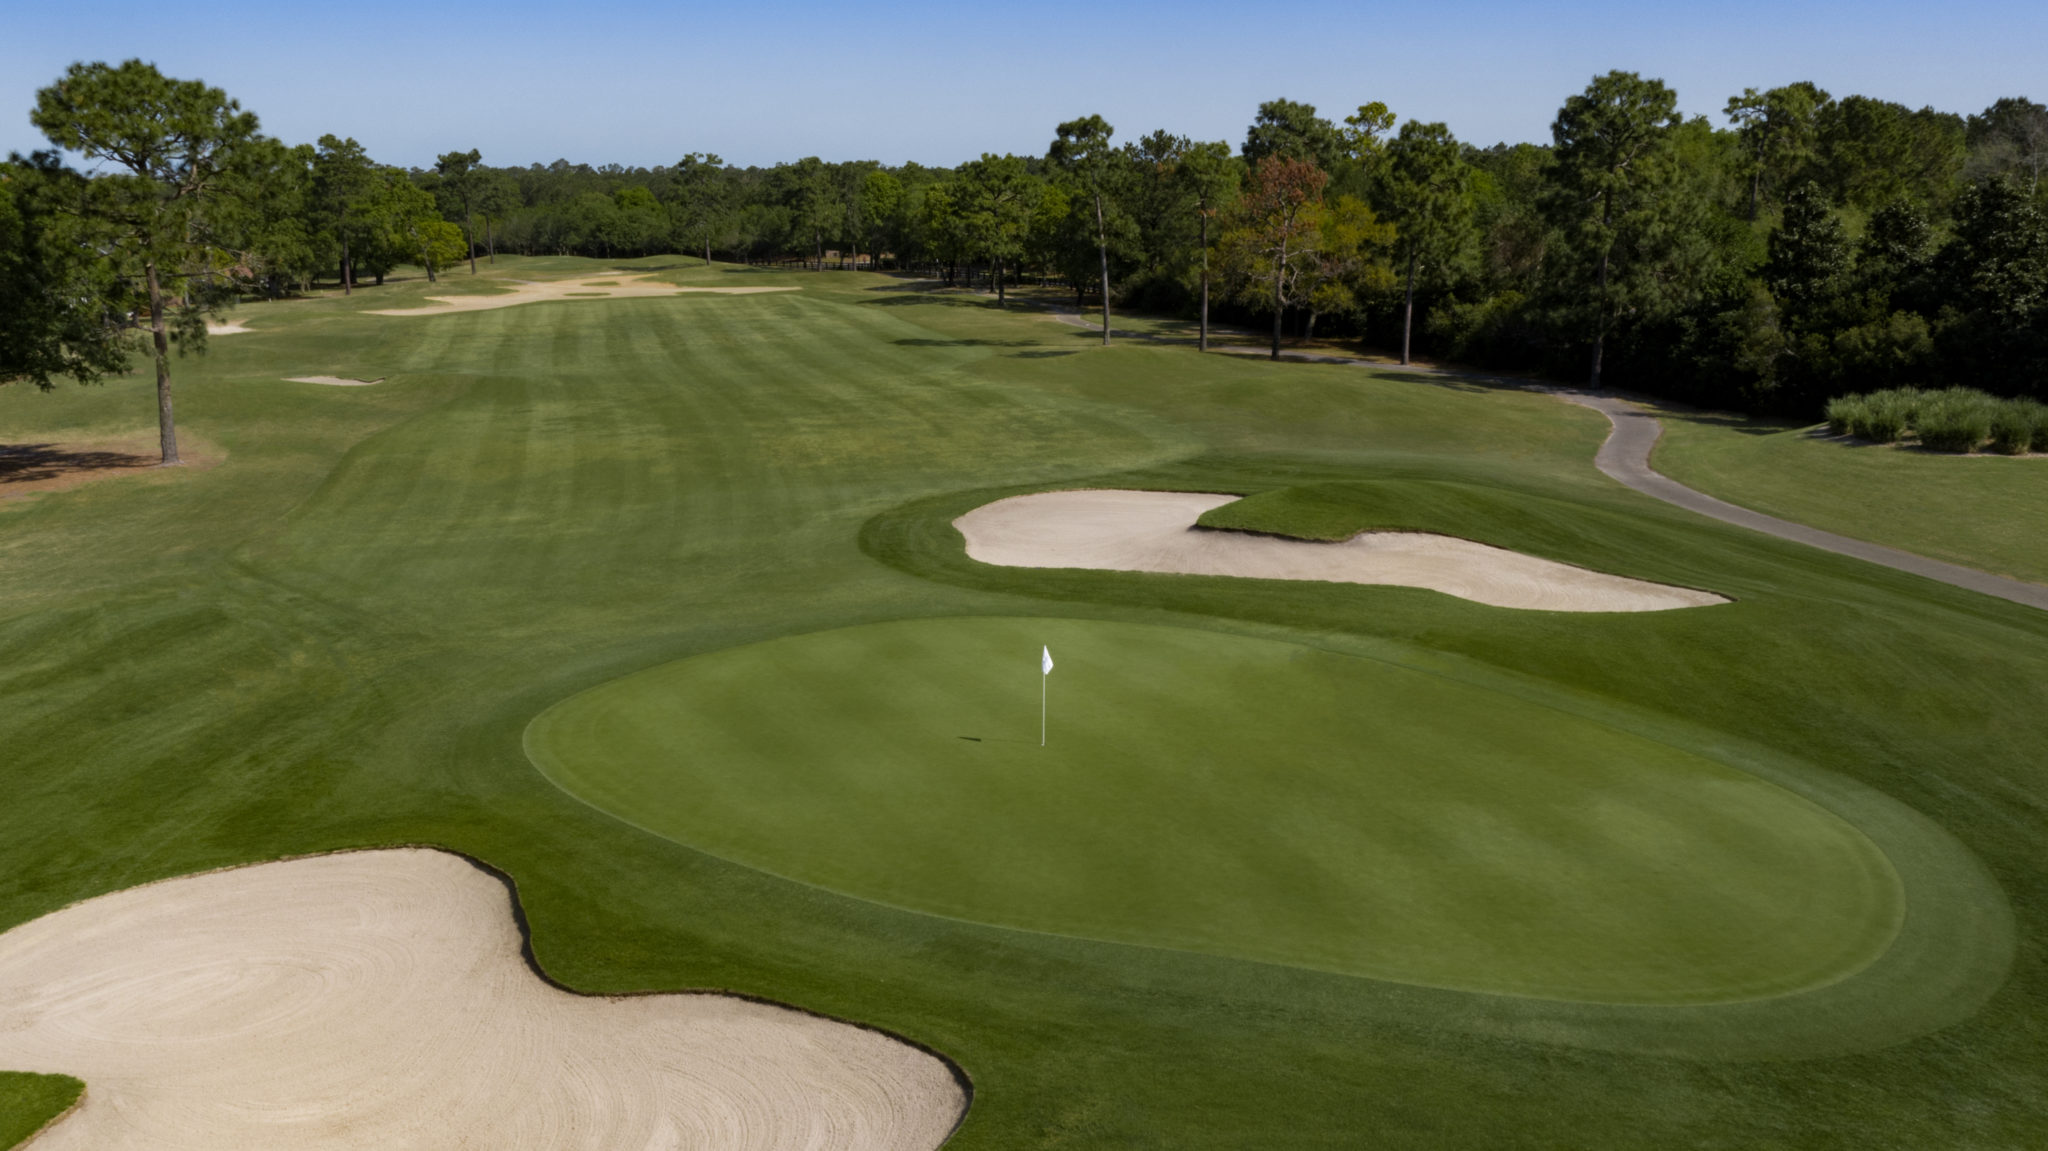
x=615, y=286
x=1113, y=530
x=379, y=999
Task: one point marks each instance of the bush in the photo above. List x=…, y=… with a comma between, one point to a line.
x=1844, y=412
x=2012, y=429
x=1955, y=420
x=1886, y=415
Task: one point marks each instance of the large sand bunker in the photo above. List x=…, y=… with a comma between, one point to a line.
x=1114, y=530
x=379, y=1000
x=614, y=286
x=335, y=381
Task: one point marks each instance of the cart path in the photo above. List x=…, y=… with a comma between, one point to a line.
x=1625, y=457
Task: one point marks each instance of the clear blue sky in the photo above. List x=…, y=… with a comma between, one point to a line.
x=642, y=83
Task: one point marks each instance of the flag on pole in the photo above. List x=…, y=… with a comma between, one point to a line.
x=1044, y=670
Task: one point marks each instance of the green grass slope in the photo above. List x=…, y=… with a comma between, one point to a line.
x=1237, y=796
x=1986, y=511
x=28, y=1102
x=339, y=636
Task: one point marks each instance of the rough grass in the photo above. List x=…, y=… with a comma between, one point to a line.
x=1985, y=512
x=338, y=637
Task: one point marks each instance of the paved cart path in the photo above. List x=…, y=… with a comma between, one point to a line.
x=1625, y=456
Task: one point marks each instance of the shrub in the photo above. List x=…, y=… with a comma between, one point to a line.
x=1886, y=415
x=1844, y=411
x=1905, y=402
x=1955, y=420
x=2019, y=425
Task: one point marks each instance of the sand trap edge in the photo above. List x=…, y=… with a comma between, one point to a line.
x=961, y=1078
x=1711, y=597
x=50, y=1124
x=1724, y=597
x=335, y=381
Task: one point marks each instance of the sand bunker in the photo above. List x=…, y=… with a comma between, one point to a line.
x=230, y=328
x=335, y=381
x=614, y=286
x=379, y=1000
x=1155, y=532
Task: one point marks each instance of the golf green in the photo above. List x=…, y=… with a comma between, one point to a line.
x=1238, y=796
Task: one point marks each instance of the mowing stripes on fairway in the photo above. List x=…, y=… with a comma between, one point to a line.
x=1237, y=796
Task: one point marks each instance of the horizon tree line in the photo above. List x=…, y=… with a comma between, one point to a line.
x=1808, y=248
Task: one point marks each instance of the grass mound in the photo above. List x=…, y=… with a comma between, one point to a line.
x=1237, y=796
x=28, y=1101
x=1565, y=530
x=1340, y=510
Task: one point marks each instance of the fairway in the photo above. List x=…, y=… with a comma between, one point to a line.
x=1238, y=796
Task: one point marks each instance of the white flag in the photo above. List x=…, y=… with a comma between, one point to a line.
x=1045, y=663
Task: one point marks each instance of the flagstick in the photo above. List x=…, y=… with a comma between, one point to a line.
x=1042, y=677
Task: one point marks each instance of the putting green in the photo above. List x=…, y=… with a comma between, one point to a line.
x=1238, y=796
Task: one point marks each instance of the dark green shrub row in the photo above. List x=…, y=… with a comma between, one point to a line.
x=1950, y=420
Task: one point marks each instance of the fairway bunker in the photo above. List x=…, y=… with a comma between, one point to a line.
x=335, y=381
x=637, y=287
x=1141, y=531
x=380, y=999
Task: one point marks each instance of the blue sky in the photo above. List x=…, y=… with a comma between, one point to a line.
x=643, y=83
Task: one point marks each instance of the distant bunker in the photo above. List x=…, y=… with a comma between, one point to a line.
x=1141, y=531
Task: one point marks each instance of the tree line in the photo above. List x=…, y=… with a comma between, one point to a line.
x=1796, y=248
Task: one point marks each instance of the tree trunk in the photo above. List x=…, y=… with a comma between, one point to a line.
x=1202, y=341
x=1408, y=307
x=491, y=239
x=348, y=270
x=166, y=427
x=1102, y=246
x=1279, y=307
x=469, y=237
x=707, y=249
x=1600, y=328
x=1308, y=331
